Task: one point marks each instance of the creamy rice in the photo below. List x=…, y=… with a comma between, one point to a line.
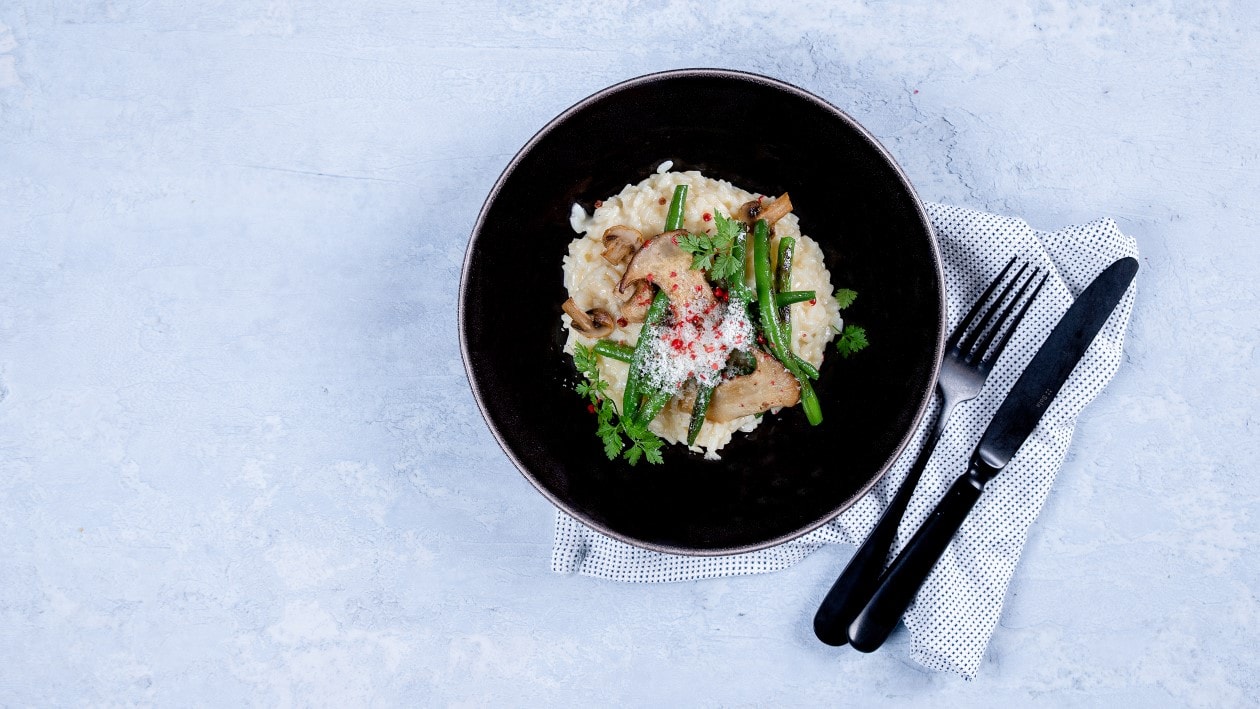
x=592, y=281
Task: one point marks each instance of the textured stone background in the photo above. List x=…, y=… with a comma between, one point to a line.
x=239, y=461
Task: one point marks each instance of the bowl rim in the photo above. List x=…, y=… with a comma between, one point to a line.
x=738, y=75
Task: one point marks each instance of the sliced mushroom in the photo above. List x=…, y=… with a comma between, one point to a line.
x=769, y=386
x=620, y=243
x=771, y=211
x=662, y=262
x=594, y=323
x=635, y=304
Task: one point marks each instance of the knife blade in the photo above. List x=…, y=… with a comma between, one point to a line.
x=1012, y=424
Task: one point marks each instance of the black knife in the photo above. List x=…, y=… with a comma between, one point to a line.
x=1012, y=424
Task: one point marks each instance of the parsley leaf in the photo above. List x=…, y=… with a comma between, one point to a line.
x=728, y=230
x=852, y=340
x=652, y=449
x=728, y=266
x=712, y=252
x=584, y=359
x=633, y=455
x=643, y=443
x=700, y=246
x=608, y=431
x=845, y=297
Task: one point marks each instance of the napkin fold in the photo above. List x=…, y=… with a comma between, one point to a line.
x=958, y=607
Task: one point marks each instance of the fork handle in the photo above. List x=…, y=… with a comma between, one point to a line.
x=898, y=586
x=854, y=585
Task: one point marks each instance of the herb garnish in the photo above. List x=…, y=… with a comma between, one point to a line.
x=852, y=340
x=852, y=337
x=845, y=297
x=713, y=252
x=643, y=442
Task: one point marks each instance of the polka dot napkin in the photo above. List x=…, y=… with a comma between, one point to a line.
x=958, y=607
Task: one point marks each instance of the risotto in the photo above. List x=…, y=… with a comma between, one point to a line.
x=695, y=349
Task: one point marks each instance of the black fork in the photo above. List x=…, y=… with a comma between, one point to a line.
x=970, y=353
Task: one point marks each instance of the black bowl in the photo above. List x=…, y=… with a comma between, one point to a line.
x=787, y=477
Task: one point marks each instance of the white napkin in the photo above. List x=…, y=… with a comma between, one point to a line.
x=957, y=609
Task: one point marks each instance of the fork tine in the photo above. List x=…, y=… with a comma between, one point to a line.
x=993, y=356
x=963, y=324
x=990, y=334
x=970, y=343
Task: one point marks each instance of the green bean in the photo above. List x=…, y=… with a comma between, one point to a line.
x=675, y=218
x=783, y=283
x=630, y=401
x=786, y=298
x=737, y=286
x=698, y=411
x=634, y=380
x=770, y=322
x=809, y=402
x=761, y=272
x=615, y=350
x=765, y=288
x=655, y=402
x=810, y=370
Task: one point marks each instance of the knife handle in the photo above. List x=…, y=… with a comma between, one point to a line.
x=899, y=584
x=854, y=585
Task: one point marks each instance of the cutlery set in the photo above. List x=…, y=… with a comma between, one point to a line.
x=867, y=600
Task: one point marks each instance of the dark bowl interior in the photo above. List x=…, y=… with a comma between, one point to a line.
x=787, y=477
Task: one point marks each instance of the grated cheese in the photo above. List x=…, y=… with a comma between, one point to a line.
x=696, y=345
